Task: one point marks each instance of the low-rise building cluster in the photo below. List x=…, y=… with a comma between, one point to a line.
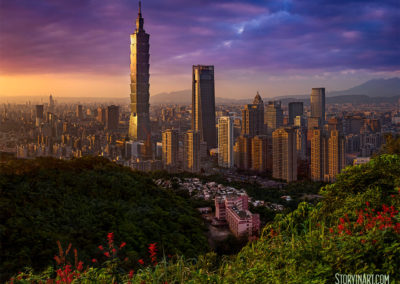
x=234, y=210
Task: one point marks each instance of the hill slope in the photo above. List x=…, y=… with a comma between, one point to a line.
x=80, y=201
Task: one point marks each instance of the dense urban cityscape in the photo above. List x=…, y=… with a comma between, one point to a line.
x=269, y=155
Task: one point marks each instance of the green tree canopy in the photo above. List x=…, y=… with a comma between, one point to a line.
x=79, y=202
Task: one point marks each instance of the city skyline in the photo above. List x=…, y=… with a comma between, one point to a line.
x=73, y=48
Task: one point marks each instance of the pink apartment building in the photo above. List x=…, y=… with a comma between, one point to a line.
x=234, y=209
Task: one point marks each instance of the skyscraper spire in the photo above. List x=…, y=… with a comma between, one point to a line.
x=139, y=19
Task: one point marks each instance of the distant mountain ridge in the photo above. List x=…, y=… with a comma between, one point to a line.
x=373, y=88
x=376, y=90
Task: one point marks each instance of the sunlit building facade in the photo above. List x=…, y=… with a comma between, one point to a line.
x=139, y=122
x=284, y=154
x=259, y=153
x=203, y=104
x=170, y=148
x=225, y=142
x=191, y=158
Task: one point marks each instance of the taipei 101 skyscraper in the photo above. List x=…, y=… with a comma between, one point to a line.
x=139, y=123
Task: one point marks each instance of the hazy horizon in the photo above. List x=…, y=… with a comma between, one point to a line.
x=111, y=99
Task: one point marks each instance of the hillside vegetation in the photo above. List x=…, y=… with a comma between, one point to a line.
x=79, y=202
x=355, y=229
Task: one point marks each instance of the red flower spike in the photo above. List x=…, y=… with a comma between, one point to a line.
x=101, y=247
x=141, y=262
x=131, y=274
x=107, y=254
x=94, y=260
x=110, y=238
x=122, y=245
x=153, y=253
x=80, y=266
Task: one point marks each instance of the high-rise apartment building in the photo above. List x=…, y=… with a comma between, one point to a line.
x=253, y=117
x=139, y=123
x=101, y=115
x=273, y=116
x=112, y=117
x=225, y=141
x=295, y=109
x=336, y=154
x=40, y=111
x=147, y=150
x=334, y=124
x=191, y=154
x=259, y=153
x=318, y=104
x=301, y=142
x=243, y=152
x=284, y=154
x=327, y=155
x=203, y=104
x=314, y=122
x=51, y=103
x=79, y=112
x=253, y=153
x=319, y=157
x=39, y=114
x=300, y=121
x=170, y=148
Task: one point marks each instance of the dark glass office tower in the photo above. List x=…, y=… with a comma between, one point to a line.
x=295, y=109
x=139, y=123
x=253, y=117
x=39, y=111
x=203, y=104
x=112, y=117
x=273, y=116
x=318, y=104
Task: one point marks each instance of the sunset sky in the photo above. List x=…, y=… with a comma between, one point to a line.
x=81, y=47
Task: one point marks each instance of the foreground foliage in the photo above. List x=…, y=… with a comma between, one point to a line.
x=355, y=229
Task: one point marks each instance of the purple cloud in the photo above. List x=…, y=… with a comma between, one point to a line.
x=45, y=36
